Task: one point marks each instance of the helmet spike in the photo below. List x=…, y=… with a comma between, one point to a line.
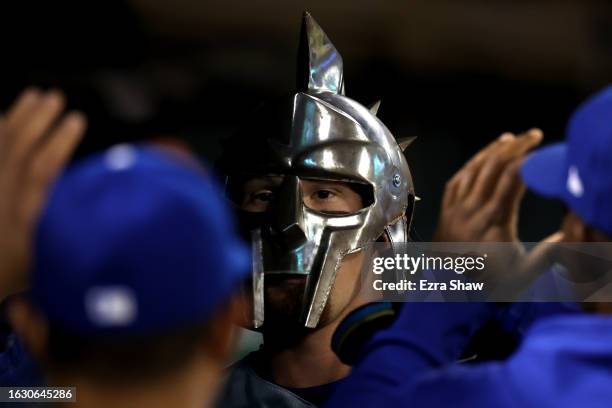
x=374, y=107
x=405, y=142
x=319, y=66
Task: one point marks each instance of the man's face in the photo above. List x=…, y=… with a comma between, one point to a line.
x=284, y=293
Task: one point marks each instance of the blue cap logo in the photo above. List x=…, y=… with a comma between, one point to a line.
x=111, y=306
x=120, y=157
x=574, y=183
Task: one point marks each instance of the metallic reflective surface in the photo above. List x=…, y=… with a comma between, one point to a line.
x=257, y=279
x=319, y=63
x=319, y=133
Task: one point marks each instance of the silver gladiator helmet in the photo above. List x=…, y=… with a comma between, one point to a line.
x=318, y=133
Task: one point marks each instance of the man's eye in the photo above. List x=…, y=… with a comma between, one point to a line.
x=324, y=194
x=263, y=196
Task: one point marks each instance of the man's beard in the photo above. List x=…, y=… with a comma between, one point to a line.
x=283, y=308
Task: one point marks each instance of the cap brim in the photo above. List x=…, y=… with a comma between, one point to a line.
x=545, y=170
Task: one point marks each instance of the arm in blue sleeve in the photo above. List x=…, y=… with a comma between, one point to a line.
x=459, y=386
x=424, y=336
x=517, y=318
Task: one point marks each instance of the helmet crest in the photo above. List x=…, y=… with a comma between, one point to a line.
x=319, y=66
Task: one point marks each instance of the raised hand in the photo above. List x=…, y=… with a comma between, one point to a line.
x=36, y=141
x=481, y=201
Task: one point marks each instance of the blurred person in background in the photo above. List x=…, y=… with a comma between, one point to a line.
x=314, y=177
x=564, y=361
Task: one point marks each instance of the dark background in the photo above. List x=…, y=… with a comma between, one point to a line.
x=454, y=73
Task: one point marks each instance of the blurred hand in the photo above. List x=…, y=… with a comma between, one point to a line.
x=481, y=202
x=35, y=144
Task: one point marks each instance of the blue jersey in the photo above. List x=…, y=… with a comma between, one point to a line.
x=564, y=361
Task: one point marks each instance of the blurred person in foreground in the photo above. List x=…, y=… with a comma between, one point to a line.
x=315, y=177
x=134, y=275
x=563, y=361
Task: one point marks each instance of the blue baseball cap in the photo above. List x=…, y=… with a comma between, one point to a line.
x=133, y=241
x=579, y=170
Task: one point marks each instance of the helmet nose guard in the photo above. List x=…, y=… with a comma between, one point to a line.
x=287, y=219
